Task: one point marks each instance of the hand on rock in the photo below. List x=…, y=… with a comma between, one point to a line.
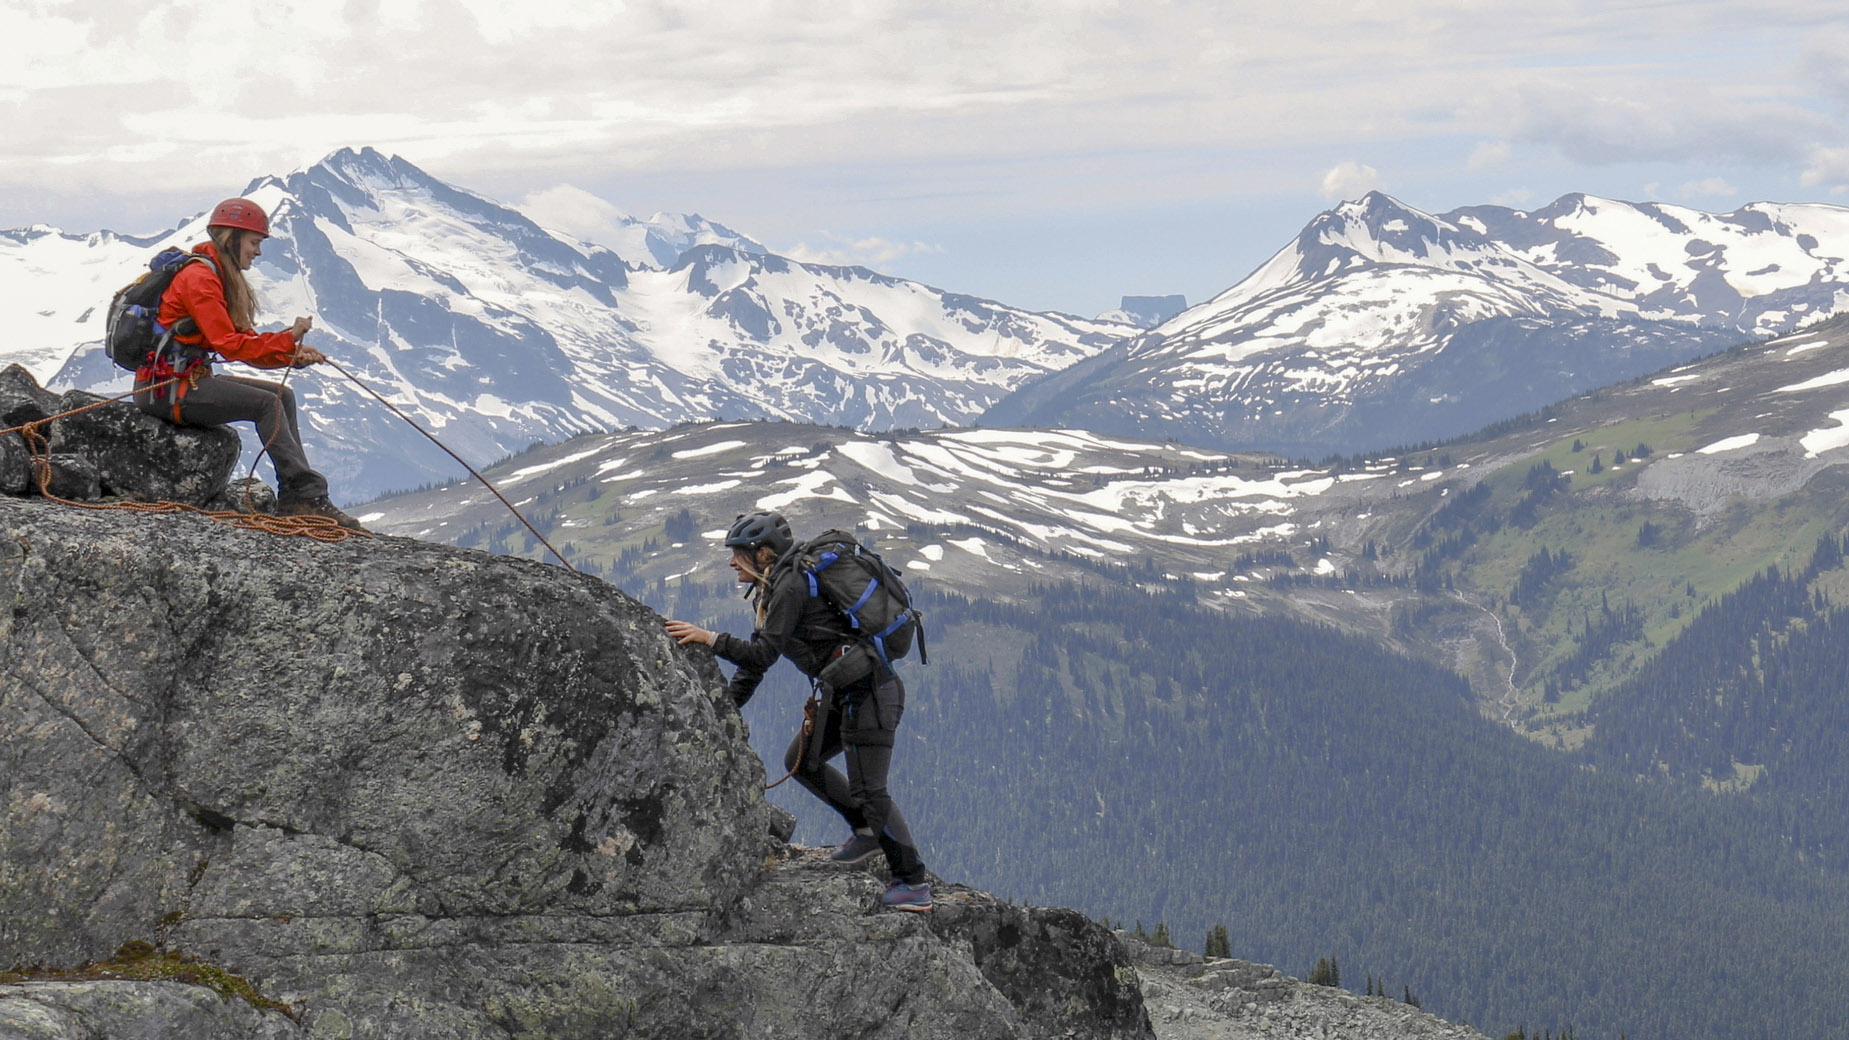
x=685, y=632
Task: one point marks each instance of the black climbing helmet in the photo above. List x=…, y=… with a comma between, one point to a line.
x=751, y=530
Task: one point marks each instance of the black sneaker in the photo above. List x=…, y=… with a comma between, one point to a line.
x=858, y=849
x=321, y=507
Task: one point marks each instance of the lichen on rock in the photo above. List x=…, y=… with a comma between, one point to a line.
x=411, y=790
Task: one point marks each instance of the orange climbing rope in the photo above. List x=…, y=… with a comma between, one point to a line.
x=319, y=528
x=355, y=380
x=38, y=446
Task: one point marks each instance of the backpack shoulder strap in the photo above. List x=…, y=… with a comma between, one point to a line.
x=185, y=326
x=201, y=258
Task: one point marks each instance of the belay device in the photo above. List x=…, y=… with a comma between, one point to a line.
x=870, y=598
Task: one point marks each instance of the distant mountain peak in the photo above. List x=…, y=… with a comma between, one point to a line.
x=1381, y=324
x=498, y=333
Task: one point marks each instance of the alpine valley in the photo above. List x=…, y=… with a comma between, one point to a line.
x=1458, y=598
x=1537, y=726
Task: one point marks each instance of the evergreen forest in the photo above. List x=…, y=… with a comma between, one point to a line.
x=1300, y=794
x=1752, y=700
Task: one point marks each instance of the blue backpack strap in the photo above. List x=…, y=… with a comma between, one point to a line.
x=853, y=612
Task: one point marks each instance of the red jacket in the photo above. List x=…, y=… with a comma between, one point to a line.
x=197, y=292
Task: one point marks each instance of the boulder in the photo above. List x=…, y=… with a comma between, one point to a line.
x=115, y=450
x=245, y=495
x=71, y=477
x=408, y=790
x=22, y=399
x=15, y=464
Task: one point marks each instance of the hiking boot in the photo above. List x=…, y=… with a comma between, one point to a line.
x=321, y=507
x=901, y=896
x=858, y=849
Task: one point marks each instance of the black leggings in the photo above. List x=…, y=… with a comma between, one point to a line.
x=861, y=796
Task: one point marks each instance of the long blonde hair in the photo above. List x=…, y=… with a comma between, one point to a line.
x=759, y=592
x=239, y=300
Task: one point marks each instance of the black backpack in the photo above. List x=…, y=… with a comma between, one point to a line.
x=131, y=333
x=870, y=598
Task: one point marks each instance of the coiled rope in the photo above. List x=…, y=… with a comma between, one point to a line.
x=319, y=528
x=38, y=448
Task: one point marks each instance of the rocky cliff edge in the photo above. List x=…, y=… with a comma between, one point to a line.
x=402, y=790
x=265, y=787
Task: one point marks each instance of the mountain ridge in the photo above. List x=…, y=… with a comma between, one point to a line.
x=1351, y=541
x=1380, y=324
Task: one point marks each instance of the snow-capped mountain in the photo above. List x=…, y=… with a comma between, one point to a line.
x=1382, y=325
x=497, y=333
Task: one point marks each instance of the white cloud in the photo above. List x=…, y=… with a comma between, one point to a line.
x=1349, y=180
x=566, y=86
x=872, y=251
x=1707, y=187
x=1607, y=120
x=1514, y=198
x=1828, y=168
x=1488, y=154
x=568, y=208
x=1825, y=63
x=993, y=111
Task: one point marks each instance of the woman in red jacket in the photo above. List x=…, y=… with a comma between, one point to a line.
x=211, y=310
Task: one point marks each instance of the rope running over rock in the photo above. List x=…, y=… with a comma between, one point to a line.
x=355, y=380
x=38, y=446
x=319, y=528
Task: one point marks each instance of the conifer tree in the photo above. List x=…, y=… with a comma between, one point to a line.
x=1219, y=943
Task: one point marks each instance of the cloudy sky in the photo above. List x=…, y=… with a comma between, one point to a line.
x=1052, y=154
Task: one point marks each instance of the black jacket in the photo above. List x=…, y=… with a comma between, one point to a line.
x=796, y=625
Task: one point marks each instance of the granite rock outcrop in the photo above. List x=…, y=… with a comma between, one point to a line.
x=407, y=790
x=114, y=451
x=1191, y=997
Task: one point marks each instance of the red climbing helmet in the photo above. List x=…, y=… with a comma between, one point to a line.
x=240, y=213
